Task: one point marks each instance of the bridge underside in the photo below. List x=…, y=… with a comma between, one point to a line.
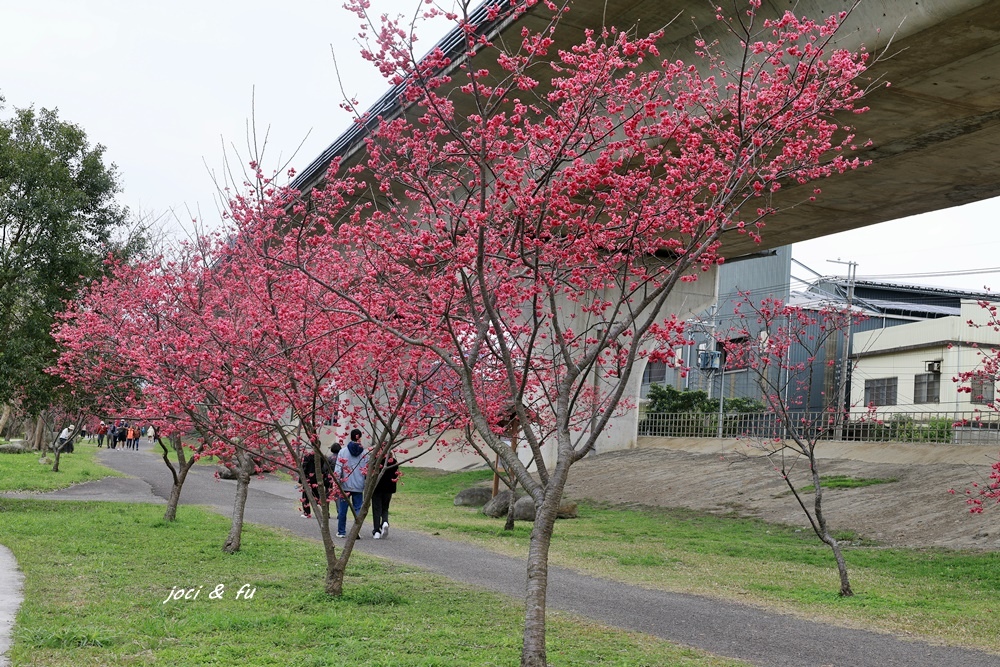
x=935, y=130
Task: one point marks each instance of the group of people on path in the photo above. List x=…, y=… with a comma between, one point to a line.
x=121, y=433
x=349, y=466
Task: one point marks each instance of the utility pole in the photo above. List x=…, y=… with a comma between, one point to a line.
x=842, y=408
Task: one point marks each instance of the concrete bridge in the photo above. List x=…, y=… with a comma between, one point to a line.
x=936, y=129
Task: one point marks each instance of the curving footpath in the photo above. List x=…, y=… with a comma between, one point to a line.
x=720, y=627
x=11, y=585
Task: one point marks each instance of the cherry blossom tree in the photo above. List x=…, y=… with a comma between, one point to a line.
x=784, y=348
x=305, y=353
x=980, y=382
x=533, y=211
x=135, y=335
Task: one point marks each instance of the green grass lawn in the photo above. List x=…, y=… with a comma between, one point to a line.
x=942, y=595
x=23, y=472
x=847, y=482
x=98, y=576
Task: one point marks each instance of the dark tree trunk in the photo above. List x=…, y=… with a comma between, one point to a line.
x=509, y=525
x=3, y=418
x=828, y=539
x=244, y=470
x=533, y=653
x=57, y=450
x=37, y=439
x=178, y=474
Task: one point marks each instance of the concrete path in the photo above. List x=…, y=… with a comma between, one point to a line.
x=11, y=584
x=724, y=628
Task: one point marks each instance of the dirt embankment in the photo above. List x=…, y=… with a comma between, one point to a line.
x=915, y=510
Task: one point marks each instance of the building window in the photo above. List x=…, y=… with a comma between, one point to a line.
x=655, y=373
x=927, y=388
x=881, y=391
x=983, y=390
x=733, y=353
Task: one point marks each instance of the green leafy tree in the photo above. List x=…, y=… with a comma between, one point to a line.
x=666, y=399
x=58, y=221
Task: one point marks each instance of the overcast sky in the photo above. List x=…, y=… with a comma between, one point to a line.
x=166, y=86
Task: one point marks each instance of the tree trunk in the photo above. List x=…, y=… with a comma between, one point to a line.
x=179, y=475
x=4, y=417
x=335, y=568
x=57, y=449
x=37, y=439
x=845, y=584
x=509, y=525
x=333, y=584
x=533, y=652
x=244, y=469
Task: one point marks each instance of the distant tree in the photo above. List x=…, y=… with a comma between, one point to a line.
x=58, y=221
x=780, y=347
x=667, y=399
x=664, y=398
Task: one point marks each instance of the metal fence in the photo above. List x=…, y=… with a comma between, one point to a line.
x=960, y=428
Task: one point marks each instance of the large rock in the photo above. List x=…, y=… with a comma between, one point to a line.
x=224, y=472
x=13, y=449
x=524, y=509
x=476, y=496
x=567, y=510
x=497, y=507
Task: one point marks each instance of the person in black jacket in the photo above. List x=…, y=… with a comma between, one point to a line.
x=309, y=465
x=382, y=496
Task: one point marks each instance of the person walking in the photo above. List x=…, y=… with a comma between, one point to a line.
x=382, y=496
x=310, y=478
x=65, y=443
x=132, y=437
x=102, y=432
x=351, y=470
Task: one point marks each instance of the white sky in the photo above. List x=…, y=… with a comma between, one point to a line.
x=165, y=86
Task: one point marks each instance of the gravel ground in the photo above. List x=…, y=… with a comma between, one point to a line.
x=916, y=510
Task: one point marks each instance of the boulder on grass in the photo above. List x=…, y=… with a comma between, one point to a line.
x=496, y=508
x=224, y=472
x=524, y=509
x=567, y=510
x=476, y=496
x=13, y=449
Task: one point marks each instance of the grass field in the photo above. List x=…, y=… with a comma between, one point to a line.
x=948, y=596
x=23, y=472
x=98, y=577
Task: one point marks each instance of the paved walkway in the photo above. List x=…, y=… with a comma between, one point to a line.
x=723, y=628
x=11, y=583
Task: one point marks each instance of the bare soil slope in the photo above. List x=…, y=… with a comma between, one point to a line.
x=916, y=510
